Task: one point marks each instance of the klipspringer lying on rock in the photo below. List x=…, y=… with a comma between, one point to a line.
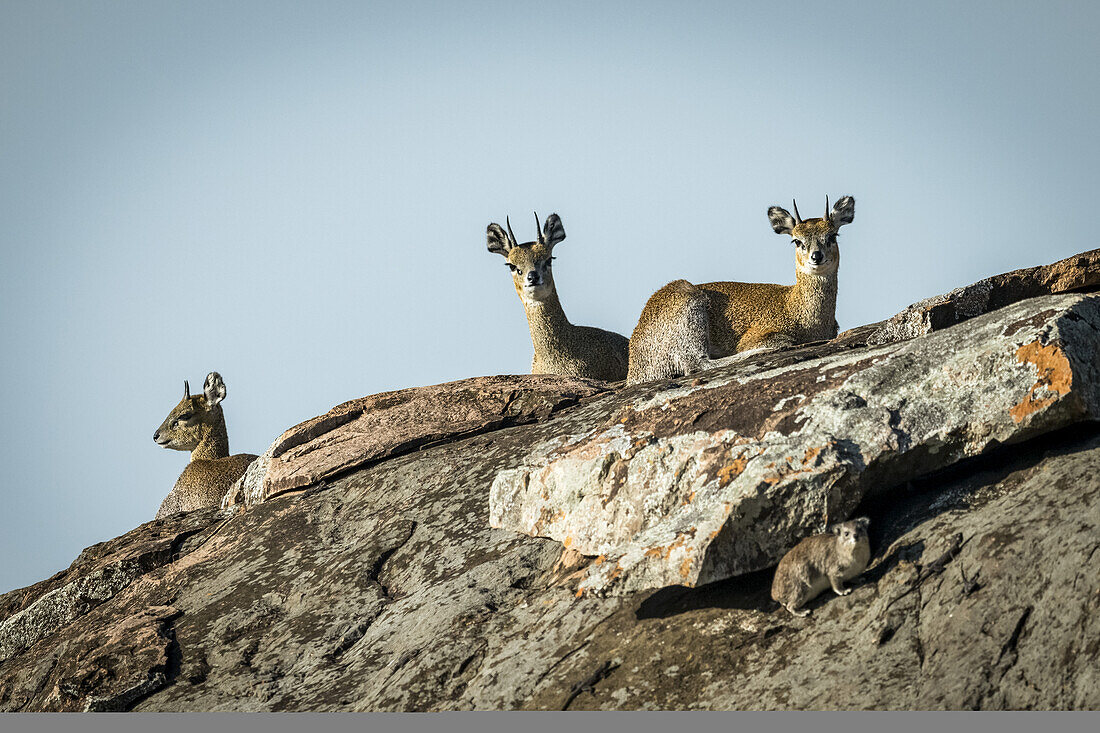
x=197, y=424
x=686, y=328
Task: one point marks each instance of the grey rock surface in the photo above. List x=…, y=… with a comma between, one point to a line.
x=692, y=483
x=382, y=586
x=1076, y=273
x=359, y=432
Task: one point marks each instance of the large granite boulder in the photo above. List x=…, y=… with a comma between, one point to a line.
x=357, y=433
x=695, y=481
x=363, y=573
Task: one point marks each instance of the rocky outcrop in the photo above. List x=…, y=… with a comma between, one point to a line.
x=389, y=424
x=1077, y=273
x=100, y=572
x=363, y=573
x=691, y=483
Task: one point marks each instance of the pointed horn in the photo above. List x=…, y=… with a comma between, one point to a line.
x=827, y=217
x=510, y=234
x=797, y=217
x=186, y=390
x=538, y=227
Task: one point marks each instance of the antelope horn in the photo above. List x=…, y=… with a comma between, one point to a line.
x=186, y=390
x=827, y=217
x=797, y=217
x=538, y=227
x=510, y=234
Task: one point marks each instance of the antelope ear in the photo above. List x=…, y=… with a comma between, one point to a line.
x=498, y=240
x=552, y=230
x=781, y=220
x=213, y=389
x=843, y=211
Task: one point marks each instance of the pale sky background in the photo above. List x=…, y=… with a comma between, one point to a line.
x=296, y=195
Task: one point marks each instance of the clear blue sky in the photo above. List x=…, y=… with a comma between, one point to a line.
x=296, y=195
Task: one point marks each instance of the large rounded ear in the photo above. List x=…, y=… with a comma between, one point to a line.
x=781, y=220
x=213, y=389
x=843, y=211
x=552, y=231
x=864, y=522
x=498, y=240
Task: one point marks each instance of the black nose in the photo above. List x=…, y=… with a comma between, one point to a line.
x=156, y=435
x=533, y=277
x=816, y=257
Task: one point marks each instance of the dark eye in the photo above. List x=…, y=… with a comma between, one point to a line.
x=185, y=418
x=797, y=243
x=512, y=267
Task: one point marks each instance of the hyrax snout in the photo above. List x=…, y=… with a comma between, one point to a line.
x=821, y=561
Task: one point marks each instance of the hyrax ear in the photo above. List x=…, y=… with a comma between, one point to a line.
x=498, y=240
x=864, y=522
x=213, y=389
x=552, y=230
x=843, y=211
x=782, y=221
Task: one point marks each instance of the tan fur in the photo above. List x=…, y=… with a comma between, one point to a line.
x=821, y=561
x=560, y=347
x=197, y=424
x=684, y=328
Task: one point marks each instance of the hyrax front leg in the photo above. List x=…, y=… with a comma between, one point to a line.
x=797, y=605
x=838, y=585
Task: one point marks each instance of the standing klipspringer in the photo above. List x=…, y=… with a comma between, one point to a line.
x=684, y=328
x=196, y=424
x=560, y=347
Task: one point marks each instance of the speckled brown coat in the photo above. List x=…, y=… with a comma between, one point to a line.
x=198, y=425
x=684, y=328
x=560, y=347
x=821, y=561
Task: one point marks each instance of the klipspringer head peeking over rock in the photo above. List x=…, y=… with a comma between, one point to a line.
x=821, y=561
x=196, y=424
x=685, y=328
x=560, y=347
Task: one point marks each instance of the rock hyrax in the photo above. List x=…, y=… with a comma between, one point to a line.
x=821, y=561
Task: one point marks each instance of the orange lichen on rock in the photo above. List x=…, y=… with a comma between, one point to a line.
x=731, y=471
x=663, y=552
x=1055, y=377
x=811, y=453
x=685, y=567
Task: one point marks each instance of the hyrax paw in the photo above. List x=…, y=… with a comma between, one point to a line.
x=844, y=591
